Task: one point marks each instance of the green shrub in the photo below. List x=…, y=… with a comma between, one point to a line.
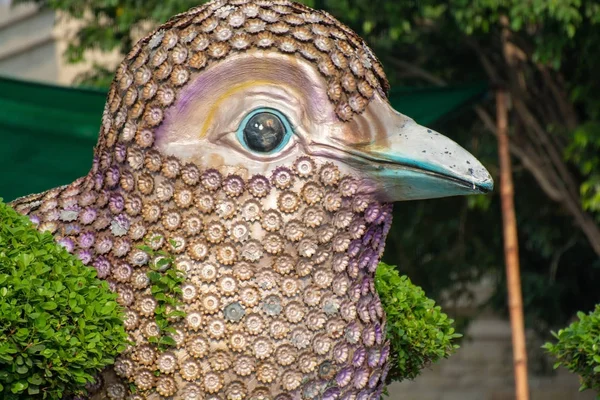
x=578, y=349
x=59, y=324
x=419, y=332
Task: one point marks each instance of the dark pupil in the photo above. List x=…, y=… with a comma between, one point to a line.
x=264, y=132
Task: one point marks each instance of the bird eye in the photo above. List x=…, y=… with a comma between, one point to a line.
x=264, y=131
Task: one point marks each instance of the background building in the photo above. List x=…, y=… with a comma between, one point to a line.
x=32, y=41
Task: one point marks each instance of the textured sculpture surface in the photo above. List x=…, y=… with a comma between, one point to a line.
x=254, y=135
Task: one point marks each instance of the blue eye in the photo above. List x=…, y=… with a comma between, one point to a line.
x=264, y=130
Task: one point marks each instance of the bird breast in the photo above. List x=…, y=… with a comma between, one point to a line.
x=278, y=296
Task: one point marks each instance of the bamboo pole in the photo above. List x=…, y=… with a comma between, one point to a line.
x=511, y=250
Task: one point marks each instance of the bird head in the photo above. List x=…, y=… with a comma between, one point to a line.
x=260, y=109
x=250, y=88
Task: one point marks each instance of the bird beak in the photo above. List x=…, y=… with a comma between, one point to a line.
x=408, y=161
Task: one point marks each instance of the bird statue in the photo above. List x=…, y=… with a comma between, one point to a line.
x=253, y=141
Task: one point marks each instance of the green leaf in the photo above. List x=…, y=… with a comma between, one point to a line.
x=23, y=260
x=108, y=307
x=19, y=386
x=35, y=379
x=168, y=341
x=49, y=305
x=22, y=369
x=33, y=390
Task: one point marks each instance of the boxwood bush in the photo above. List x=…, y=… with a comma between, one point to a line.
x=578, y=349
x=419, y=332
x=59, y=324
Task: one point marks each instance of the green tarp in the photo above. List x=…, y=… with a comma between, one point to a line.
x=47, y=133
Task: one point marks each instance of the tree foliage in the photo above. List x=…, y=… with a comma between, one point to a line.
x=59, y=324
x=544, y=53
x=583, y=151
